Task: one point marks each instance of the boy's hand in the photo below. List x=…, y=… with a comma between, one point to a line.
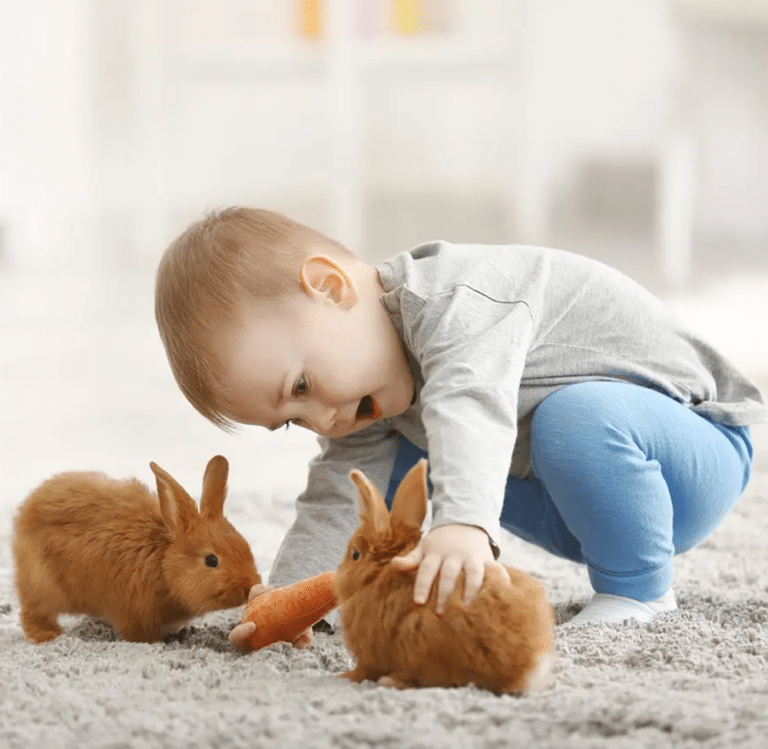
x=447, y=550
x=240, y=634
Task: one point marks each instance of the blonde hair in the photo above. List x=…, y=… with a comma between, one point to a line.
x=228, y=255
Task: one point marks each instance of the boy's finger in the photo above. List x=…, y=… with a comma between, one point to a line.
x=304, y=640
x=257, y=590
x=409, y=561
x=449, y=574
x=473, y=581
x=501, y=571
x=425, y=578
x=240, y=634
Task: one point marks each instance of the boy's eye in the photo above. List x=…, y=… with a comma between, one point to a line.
x=301, y=387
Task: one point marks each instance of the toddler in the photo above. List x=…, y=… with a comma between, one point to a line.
x=553, y=396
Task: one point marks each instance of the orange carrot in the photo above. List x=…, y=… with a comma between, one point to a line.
x=282, y=614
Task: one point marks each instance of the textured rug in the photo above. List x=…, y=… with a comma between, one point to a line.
x=697, y=677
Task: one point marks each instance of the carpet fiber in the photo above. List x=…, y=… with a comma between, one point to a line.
x=697, y=677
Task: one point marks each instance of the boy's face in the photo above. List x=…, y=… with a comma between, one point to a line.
x=328, y=359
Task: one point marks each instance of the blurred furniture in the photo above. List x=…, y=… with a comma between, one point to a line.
x=45, y=135
x=590, y=99
x=328, y=125
x=680, y=169
x=160, y=109
x=740, y=12
x=619, y=82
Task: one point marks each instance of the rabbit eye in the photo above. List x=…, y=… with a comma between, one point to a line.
x=355, y=555
x=212, y=560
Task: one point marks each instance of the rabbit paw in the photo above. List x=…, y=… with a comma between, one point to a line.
x=393, y=681
x=356, y=674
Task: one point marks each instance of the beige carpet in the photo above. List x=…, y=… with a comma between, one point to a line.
x=694, y=678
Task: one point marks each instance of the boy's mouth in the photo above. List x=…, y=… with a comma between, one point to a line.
x=368, y=409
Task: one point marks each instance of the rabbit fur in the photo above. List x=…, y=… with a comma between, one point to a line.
x=503, y=641
x=146, y=563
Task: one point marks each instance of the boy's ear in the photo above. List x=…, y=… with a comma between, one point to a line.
x=323, y=279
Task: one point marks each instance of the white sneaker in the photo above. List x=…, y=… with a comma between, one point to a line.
x=611, y=609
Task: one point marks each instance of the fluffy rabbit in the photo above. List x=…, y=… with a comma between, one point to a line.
x=85, y=543
x=503, y=641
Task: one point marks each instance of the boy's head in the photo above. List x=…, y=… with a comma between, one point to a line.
x=248, y=302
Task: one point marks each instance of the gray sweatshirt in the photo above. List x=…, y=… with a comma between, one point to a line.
x=490, y=332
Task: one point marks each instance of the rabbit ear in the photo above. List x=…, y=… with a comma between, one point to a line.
x=214, y=487
x=410, y=503
x=370, y=505
x=176, y=506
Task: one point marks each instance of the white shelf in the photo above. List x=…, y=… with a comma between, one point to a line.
x=261, y=59
x=305, y=57
x=435, y=51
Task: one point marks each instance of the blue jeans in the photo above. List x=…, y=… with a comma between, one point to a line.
x=625, y=479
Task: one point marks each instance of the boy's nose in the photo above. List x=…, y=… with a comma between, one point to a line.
x=324, y=419
x=344, y=419
x=346, y=414
x=331, y=418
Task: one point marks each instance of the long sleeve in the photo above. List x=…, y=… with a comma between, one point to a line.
x=472, y=350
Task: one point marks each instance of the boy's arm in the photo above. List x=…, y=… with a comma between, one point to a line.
x=326, y=513
x=472, y=352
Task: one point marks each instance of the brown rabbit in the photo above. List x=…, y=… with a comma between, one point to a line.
x=85, y=543
x=503, y=641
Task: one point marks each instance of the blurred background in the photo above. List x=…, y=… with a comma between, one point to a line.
x=633, y=131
